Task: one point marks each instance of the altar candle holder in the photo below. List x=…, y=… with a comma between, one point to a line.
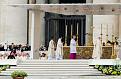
x=101, y=34
x=71, y=30
x=66, y=37
x=107, y=35
x=77, y=34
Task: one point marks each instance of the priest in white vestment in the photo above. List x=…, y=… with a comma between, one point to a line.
x=51, y=50
x=97, y=50
x=59, y=49
x=116, y=50
x=73, y=48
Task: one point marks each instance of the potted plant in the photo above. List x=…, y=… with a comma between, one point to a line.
x=18, y=75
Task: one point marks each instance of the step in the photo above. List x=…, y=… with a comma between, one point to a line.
x=63, y=74
x=68, y=60
x=53, y=69
x=52, y=65
x=50, y=71
x=62, y=67
x=55, y=72
x=54, y=61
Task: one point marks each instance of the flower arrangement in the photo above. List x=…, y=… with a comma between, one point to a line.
x=109, y=70
x=18, y=74
x=4, y=67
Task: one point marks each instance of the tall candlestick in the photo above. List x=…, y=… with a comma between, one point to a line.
x=107, y=35
x=101, y=34
x=71, y=30
x=66, y=34
x=77, y=33
x=77, y=28
x=112, y=32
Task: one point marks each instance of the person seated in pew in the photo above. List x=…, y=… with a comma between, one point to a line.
x=11, y=56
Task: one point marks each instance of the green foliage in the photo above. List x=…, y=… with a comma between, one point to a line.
x=18, y=74
x=96, y=66
x=109, y=70
x=4, y=67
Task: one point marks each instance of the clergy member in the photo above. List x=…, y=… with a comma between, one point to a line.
x=51, y=50
x=59, y=49
x=97, y=50
x=73, y=48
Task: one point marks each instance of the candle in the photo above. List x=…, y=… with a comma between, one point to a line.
x=77, y=29
x=71, y=29
x=107, y=35
x=101, y=34
x=107, y=29
x=112, y=32
x=101, y=29
x=66, y=31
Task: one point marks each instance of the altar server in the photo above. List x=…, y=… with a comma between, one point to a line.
x=59, y=49
x=97, y=50
x=51, y=50
x=73, y=48
x=5, y=47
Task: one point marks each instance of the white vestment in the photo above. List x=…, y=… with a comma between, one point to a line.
x=73, y=46
x=116, y=50
x=97, y=50
x=59, y=50
x=51, y=51
x=5, y=47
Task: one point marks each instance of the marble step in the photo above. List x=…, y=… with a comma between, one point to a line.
x=50, y=65
x=53, y=69
x=60, y=67
x=56, y=73
x=68, y=60
x=54, y=61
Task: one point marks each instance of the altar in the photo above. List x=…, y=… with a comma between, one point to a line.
x=85, y=52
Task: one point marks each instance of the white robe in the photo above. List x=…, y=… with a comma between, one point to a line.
x=59, y=50
x=97, y=50
x=5, y=47
x=116, y=50
x=73, y=46
x=51, y=51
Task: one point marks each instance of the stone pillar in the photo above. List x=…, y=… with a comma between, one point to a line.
x=32, y=1
x=35, y=34
x=40, y=1
x=105, y=20
x=13, y=22
x=42, y=29
x=120, y=26
x=89, y=25
x=54, y=1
